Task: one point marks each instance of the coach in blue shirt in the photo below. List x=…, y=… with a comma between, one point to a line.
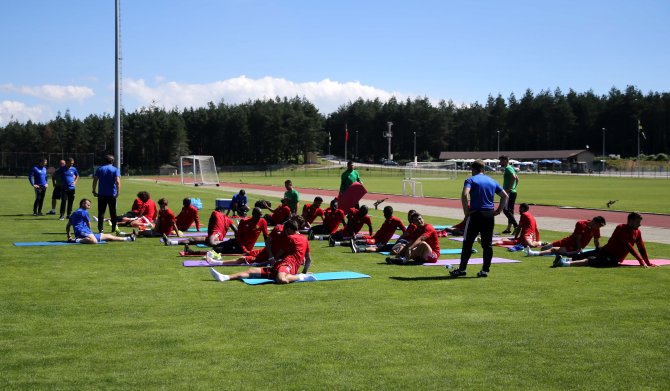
x=108, y=179
x=478, y=206
x=69, y=178
x=38, y=180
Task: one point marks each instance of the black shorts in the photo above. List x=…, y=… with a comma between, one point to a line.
x=55, y=195
x=602, y=259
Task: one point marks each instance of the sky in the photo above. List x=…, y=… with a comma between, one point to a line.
x=59, y=56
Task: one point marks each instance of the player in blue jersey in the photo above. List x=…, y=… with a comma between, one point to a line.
x=69, y=178
x=478, y=204
x=108, y=181
x=38, y=180
x=80, y=222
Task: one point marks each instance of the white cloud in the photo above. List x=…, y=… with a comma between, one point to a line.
x=19, y=111
x=327, y=95
x=51, y=92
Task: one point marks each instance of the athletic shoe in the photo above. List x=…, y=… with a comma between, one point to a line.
x=213, y=255
x=354, y=247
x=133, y=236
x=61, y=218
x=331, y=242
x=34, y=214
x=482, y=274
x=389, y=260
x=40, y=214
x=51, y=212
x=180, y=234
x=557, y=261
x=95, y=218
x=563, y=262
x=166, y=241
x=306, y=277
x=209, y=257
x=458, y=273
x=117, y=232
x=310, y=235
x=71, y=240
x=507, y=231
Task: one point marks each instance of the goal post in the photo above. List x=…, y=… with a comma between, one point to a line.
x=415, y=172
x=198, y=170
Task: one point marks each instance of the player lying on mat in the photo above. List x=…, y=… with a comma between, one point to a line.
x=80, y=222
x=293, y=254
x=578, y=240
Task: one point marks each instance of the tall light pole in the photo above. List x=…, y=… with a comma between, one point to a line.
x=357, y=158
x=328, y=143
x=118, y=140
x=389, y=135
x=603, y=161
x=497, y=131
x=415, y=147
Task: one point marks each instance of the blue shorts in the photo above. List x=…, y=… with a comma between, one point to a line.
x=82, y=235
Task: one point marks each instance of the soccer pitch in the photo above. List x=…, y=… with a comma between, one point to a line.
x=129, y=316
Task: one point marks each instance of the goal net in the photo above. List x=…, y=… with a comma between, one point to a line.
x=430, y=171
x=198, y=170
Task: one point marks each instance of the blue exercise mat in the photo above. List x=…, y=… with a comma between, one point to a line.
x=442, y=251
x=327, y=276
x=55, y=243
x=257, y=244
x=439, y=227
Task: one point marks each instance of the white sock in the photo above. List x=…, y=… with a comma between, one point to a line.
x=533, y=253
x=218, y=276
x=128, y=239
x=306, y=277
x=77, y=240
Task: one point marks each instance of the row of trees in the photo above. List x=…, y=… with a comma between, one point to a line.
x=285, y=130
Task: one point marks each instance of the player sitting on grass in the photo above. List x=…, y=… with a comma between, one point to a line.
x=332, y=218
x=423, y=245
x=80, y=221
x=620, y=244
x=165, y=223
x=279, y=215
x=356, y=218
x=526, y=234
x=380, y=240
x=573, y=244
x=284, y=269
x=310, y=212
x=188, y=216
x=248, y=231
x=142, y=214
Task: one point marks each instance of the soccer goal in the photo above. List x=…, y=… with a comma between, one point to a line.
x=198, y=170
x=415, y=172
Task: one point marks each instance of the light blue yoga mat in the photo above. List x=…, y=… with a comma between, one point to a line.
x=327, y=276
x=33, y=244
x=438, y=227
x=257, y=244
x=442, y=251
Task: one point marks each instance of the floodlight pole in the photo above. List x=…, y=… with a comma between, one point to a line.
x=497, y=131
x=389, y=135
x=603, y=161
x=356, y=157
x=117, y=87
x=415, y=160
x=638, y=147
x=328, y=143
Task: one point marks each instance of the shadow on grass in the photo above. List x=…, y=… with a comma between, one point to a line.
x=432, y=278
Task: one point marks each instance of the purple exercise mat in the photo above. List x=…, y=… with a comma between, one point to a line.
x=472, y=261
x=460, y=238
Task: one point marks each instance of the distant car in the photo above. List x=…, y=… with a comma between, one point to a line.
x=389, y=163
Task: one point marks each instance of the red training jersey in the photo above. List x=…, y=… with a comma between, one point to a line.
x=149, y=210
x=165, y=221
x=218, y=223
x=356, y=222
x=186, y=218
x=388, y=228
x=332, y=218
x=622, y=241
x=430, y=234
x=280, y=214
x=297, y=247
x=138, y=206
x=310, y=212
x=528, y=226
x=582, y=230
x=248, y=231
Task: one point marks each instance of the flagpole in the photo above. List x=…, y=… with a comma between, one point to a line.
x=346, y=141
x=639, y=128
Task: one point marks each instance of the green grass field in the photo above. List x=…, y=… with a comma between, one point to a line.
x=129, y=316
x=631, y=194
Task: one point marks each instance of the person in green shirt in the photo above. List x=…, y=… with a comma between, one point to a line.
x=510, y=182
x=349, y=176
x=292, y=196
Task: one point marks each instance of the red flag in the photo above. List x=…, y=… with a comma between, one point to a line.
x=346, y=134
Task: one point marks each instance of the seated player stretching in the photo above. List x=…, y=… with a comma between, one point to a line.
x=293, y=254
x=423, y=245
x=356, y=219
x=576, y=242
x=188, y=216
x=80, y=221
x=279, y=215
x=622, y=242
x=332, y=218
x=142, y=214
x=165, y=223
x=310, y=212
x=248, y=231
x=380, y=241
x=526, y=233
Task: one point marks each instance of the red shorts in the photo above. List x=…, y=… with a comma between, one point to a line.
x=432, y=257
x=567, y=243
x=280, y=267
x=256, y=256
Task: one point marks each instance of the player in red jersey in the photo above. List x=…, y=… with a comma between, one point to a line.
x=285, y=268
x=622, y=242
x=423, y=244
x=165, y=223
x=280, y=214
x=526, y=233
x=311, y=211
x=584, y=231
x=248, y=231
x=380, y=240
x=356, y=219
x=188, y=216
x=332, y=218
